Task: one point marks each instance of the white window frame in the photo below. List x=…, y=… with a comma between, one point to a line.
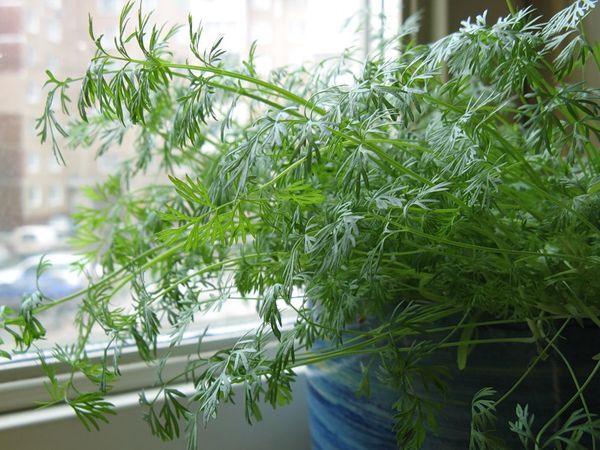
x=22, y=379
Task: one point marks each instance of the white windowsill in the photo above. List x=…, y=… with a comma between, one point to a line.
x=57, y=428
x=23, y=427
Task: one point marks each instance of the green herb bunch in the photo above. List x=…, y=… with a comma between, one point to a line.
x=450, y=181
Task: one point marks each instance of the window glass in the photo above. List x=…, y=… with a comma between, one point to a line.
x=54, y=4
x=37, y=194
x=109, y=6
x=35, y=199
x=33, y=92
x=33, y=163
x=56, y=195
x=33, y=23
x=53, y=165
x=261, y=5
x=53, y=30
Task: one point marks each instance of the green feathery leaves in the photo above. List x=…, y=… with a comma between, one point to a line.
x=455, y=178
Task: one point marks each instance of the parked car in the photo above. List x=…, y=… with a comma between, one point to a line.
x=34, y=239
x=59, y=280
x=62, y=225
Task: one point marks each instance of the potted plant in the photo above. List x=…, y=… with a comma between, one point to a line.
x=434, y=218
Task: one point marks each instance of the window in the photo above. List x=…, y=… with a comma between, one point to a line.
x=107, y=164
x=32, y=24
x=261, y=5
x=33, y=163
x=31, y=57
x=54, y=4
x=33, y=92
x=35, y=197
x=150, y=5
x=262, y=32
x=53, y=165
x=44, y=187
x=297, y=29
x=53, y=63
x=28, y=238
x=30, y=131
x=42, y=190
x=264, y=63
x=56, y=195
x=109, y=6
x=54, y=30
x=184, y=5
x=108, y=37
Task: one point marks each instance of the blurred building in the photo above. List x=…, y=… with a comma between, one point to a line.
x=36, y=35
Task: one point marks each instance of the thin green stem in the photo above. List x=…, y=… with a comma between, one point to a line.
x=531, y=366
x=511, y=7
x=228, y=74
x=556, y=416
x=578, y=387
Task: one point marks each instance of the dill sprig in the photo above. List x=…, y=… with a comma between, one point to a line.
x=458, y=180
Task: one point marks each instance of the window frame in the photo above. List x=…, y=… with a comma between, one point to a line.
x=22, y=380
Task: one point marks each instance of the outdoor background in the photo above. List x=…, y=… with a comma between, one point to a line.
x=37, y=195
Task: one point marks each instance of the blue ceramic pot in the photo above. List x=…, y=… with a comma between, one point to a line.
x=341, y=420
x=338, y=417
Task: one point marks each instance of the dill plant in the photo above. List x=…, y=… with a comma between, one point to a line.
x=451, y=182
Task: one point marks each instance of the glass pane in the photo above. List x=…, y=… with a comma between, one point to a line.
x=38, y=195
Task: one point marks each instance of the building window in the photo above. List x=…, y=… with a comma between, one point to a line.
x=53, y=165
x=262, y=32
x=109, y=7
x=54, y=30
x=30, y=129
x=35, y=197
x=108, y=37
x=33, y=163
x=263, y=63
x=32, y=23
x=150, y=5
x=33, y=92
x=261, y=5
x=42, y=186
x=31, y=58
x=53, y=63
x=56, y=195
x=107, y=163
x=184, y=5
x=296, y=30
x=54, y=4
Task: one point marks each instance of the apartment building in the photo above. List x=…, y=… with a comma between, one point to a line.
x=36, y=35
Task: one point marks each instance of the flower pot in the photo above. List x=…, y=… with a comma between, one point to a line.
x=339, y=419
